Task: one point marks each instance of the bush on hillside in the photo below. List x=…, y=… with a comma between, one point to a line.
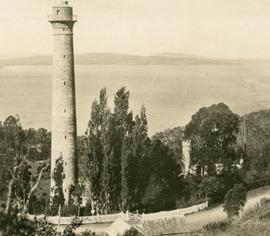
x=132, y=232
x=88, y=233
x=215, y=227
x=69, y=230
x=235, y=200
x=44, y=228
x=264, y=202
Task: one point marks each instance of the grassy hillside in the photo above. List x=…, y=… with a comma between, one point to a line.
x=254, y=222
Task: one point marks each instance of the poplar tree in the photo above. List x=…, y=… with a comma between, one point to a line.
x=94, y=145
x=109, y=176
x=126, y=168
x=122, y=143
x=140, y=168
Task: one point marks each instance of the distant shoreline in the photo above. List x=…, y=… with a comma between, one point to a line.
x=120, y=59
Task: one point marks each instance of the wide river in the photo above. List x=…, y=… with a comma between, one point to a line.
x=171, y=94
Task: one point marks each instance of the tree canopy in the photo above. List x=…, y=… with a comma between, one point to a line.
x=213, y=134
x=122, y=160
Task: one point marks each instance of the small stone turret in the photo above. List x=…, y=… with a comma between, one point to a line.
x=64, y=131
x=186, y=156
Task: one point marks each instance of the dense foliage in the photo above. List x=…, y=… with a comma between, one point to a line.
x=213, y=134
x=257, y=143
x=235, y=200
x=12, y=224
x=172, y=138
x=125, y=168
x=17, y=144
x=18, y=225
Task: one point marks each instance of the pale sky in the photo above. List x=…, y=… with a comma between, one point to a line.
x=214, y=28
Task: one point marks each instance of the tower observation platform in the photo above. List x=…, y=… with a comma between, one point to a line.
x=62, y=12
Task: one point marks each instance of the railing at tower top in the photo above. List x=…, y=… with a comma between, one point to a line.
x=53, y=18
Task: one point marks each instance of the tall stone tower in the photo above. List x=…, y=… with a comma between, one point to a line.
x=64, y=131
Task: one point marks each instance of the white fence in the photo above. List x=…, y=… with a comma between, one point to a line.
x=177, y=212
x=65, y=220
x=133, y=216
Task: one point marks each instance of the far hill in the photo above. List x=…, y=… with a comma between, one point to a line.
x=118, y=59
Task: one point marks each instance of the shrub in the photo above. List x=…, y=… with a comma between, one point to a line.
x=44, y=228
x=69, y=230
x=12, y=224
x=235, y=200
x=132, y=232
x=264, y=201
x=215, y=227
x=88, y=233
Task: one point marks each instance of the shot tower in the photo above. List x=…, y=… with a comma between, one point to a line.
x=64, y=131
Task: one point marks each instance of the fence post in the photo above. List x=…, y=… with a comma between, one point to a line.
x=143, y=216
x=59, y=217
x=241, y=213
x=127, y=215
x=122, y=215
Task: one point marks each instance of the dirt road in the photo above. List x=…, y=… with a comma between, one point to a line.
x=197, y=220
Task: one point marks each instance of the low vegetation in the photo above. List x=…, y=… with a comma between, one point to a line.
x=255, y=221
x=170, y=225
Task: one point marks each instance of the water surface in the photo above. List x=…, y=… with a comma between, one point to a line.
x=171, y=93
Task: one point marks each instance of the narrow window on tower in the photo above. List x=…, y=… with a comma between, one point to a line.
x=64, y=83
x=57, y=12
x=64, y=56
x=65, y=110
x=65, y=137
